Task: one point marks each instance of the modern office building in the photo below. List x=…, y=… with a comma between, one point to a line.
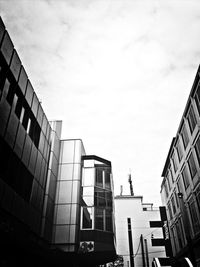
x=180, y=188
x=133, y=232
x=46, y=216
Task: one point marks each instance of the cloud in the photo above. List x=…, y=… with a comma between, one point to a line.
x=117, y=72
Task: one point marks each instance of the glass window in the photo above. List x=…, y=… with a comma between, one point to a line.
x=194, y=217
x=88, y=176
x=184, y=135
x=99, y=221
x=109, y=220
x=179, y=150
x=166, y=188
x=197, y=149
x=87, y=218
x=179, y=235
x=191, y=119
x=185, y=176
x=192, y=166
x=99, y=198
x=169, y=210
x=107, y=180
x=174, y=162
x=99, y=177
x=173, y=205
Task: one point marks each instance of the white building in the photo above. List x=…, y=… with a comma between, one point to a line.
x=140, y=214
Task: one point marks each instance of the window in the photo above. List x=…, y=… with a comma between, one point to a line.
x=107, y=180
x=197, y=98
x=185, y=177
x=179, y=150
x=11, y=92
x=99, y=219
x=87, y=218
x=197, y=149
x=109, y=220
x=184, y=135
x=179, y=235
x=99, y=177
x=173, y=204
x=6, y=87
x=166, y=188
x=169, y=211
x=174, y=162
x=191, y=119
x=194, y=217
x=192, y=166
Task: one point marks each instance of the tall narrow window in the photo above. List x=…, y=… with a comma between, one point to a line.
x=99, y=219
x=174, y=162
x=87, y=218
x=185, y=177
x=185, y=136
x=197, y=149
x=192, y=166
x=194, y=217
x=99, y=177
x=191, y=119
x=179, y=150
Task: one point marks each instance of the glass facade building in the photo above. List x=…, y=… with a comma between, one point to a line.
x=45, y=213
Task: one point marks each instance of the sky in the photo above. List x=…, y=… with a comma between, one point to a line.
x=118, y=73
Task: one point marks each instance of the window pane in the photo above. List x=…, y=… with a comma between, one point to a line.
x=99, y=177
x=87, y=218
x=185, y=177
x=184, y=135
x=108, y=220
x=99, y=219
x=192, y=166
x=191, y=119
x=107, y=180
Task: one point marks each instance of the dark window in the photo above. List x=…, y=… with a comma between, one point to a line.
x=192, y=166
x=87, y=218
x=169, y=210
x=174, y=162
x=11, y=93
x=197, y=149
x=99, y=177
x=179, y=150
x=185, y=177
x=109, y=220
x=173, y=205
x=194, y=217
x=191, y=119
x=99, y=219
x=179, y=235
x=184, y=135
x=107, y=180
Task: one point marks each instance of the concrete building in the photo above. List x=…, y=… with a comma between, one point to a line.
x=130, y=211
x=180, y=188
x=44, y=208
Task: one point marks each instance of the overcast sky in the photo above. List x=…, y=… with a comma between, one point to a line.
x=118, y=73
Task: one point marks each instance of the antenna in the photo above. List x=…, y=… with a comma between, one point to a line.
x=131, y=186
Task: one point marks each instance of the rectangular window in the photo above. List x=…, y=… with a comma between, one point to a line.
x=169, y=211
x=107, y=180
x=179, y=150
x=87, y=218
x=191, y=119
x=99, y=219
x=179, y=235
x=192, y=166
x=109, y=220
x=197, y=149
x=174, y=162
x=185, y=176
x=99, y=177
x=194, y=217
x=6, y=87
x=166, y=188
x=185, y=136
x=173, y=204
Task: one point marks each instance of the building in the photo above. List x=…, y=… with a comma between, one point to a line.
x=180, y=188
x=43, y=182
x=132, y=219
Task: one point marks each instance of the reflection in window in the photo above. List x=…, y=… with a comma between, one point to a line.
x=109, y=220
x=184, y=135
x=107, y=180
x=192, y=166
x=87, y=218
x=185, y=177
x=191, y=119
x=99, y=219
x=99, y=177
